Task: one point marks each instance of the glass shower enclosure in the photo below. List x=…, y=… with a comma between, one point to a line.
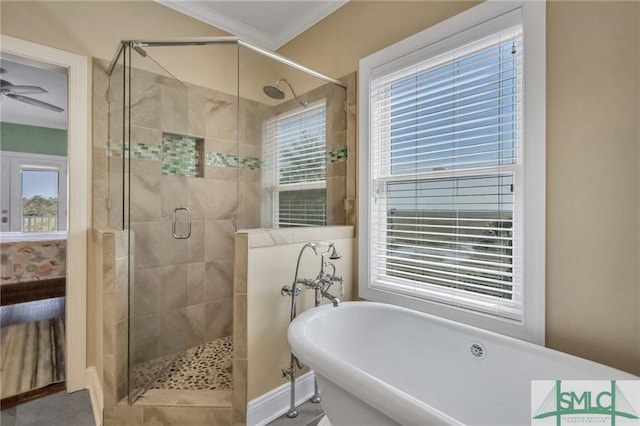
x=207, y=136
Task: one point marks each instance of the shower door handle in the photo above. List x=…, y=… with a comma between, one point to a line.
x=174, y=223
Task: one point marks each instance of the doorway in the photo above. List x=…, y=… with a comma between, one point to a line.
x=77, y=221
x=33, y=221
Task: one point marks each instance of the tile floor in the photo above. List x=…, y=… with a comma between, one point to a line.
x=309, y=414
x=59, y=409
x=63, y=409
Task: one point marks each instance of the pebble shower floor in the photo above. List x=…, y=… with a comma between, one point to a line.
x=204, y=367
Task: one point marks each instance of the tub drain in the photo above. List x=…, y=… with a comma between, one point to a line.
x=477, y=350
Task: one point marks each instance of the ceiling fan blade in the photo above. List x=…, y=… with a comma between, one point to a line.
x=23, y=89
x=34, y=102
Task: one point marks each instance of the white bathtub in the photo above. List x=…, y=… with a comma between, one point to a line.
x=379, y=364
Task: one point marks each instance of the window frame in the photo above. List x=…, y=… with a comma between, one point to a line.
x=457, y=31
x=13, y=164
x=271, y=174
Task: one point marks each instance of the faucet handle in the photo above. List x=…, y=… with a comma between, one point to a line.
x=341, y=281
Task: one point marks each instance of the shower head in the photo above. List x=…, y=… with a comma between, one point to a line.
x=273, y=91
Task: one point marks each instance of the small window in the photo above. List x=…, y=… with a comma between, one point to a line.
x=33, y=193
x=448, y=166
x=40, y=200
x=295, y=169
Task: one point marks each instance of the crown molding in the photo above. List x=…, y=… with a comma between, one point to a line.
x=200, y=11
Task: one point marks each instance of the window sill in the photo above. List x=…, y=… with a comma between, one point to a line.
x=12, y=237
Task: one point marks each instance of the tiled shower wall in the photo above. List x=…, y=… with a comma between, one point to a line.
x=199, y=306
x=183, y=290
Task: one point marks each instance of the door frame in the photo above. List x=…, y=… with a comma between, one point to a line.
x=79, y=196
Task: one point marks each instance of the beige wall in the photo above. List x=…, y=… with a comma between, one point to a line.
x=271, y=263
x=593, y=139
x=593, y=182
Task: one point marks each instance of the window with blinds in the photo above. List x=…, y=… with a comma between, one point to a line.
x=295, y=172
x=445, y=153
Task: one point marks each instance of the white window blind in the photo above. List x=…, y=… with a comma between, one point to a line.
x=445, y=158
x=295, y=172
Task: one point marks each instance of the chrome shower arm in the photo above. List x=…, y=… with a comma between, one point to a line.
x=301, y=102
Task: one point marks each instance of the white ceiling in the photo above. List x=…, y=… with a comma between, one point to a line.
x=267, y=23
x=54, y=81
x=264, y=22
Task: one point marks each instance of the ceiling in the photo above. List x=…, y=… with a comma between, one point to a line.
x=54, y=81
x=267, y=23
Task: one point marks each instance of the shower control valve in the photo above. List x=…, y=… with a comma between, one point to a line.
x=309, y=283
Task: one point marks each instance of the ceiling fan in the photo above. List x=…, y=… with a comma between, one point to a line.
x=16, y=91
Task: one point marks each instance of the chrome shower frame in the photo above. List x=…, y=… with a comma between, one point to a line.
x=139, y=46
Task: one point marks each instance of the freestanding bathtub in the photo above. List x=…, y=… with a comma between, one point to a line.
x=378, y=364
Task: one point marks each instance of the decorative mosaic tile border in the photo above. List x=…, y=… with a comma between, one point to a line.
x=337, y=154
x=180, y=157
x=143, y=151
x=230, y=160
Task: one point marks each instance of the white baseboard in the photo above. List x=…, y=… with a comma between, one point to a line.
x=275, y=403
x=95, y=393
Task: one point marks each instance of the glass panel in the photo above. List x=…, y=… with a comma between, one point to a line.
x=285, y=113
x=157, y=166
x=182, y=173
x=39, y=200
x=118, y=83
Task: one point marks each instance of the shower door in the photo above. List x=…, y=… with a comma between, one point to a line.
x=161, y=158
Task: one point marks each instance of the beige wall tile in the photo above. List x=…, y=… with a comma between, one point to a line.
x=174, y=329
x=170, y=416
x=127, y=415
x=218, y=319
x=188, y=398
x=145, y=337
x=240, y=264
x=219, y=240
x=240, y=326
x=173, y=287
x=145, y=292
x=122, y=288
x=218, y=280
x=148, y=250
x=196, y=110
x=195, y=243
x=240, y=390
x=108, y=324
x=173, y=194
x=221, y=120
x=121, y=358
x=221, y=200
x=145, y=198
x=174, y=109
x=196, y=324
x=195, y=283
x=146, y=135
